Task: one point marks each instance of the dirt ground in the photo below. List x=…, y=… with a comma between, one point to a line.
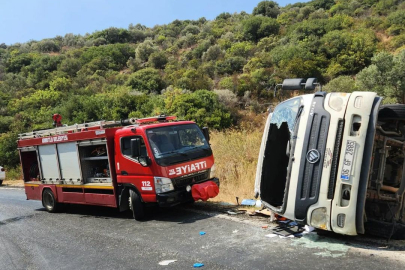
x=13, y=183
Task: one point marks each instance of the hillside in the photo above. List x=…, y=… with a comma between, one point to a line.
x=201, y=70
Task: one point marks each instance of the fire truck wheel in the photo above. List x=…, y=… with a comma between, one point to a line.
x=49, y=201
x=136, y=205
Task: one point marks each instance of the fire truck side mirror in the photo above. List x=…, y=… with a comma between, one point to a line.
x=206, y=133
x=135, y=147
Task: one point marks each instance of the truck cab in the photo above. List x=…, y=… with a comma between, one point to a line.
x=163, y=161
x=129, y=164
x=335, y=161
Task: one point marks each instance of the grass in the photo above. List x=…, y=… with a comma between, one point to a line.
x=236, y=152
x=14, y=173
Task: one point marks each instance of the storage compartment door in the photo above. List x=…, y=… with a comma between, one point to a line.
x=69, y=161
x=49, y=162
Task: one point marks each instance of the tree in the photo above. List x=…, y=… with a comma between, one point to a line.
x=190, y=29
x=201, y=106
x=243, y=49
x=193, y=80
x=47, y=46
x=231, y=65
x=60, y=84
x=213, y=53
x=158, y=60
x=146, y=80
x=384, y=76
x=113, y=35
x=325, y=4
x=144, y=50
x=267, y=8
x=8, y=149
x=257, y=27
x=345, y=84
x=70, y=66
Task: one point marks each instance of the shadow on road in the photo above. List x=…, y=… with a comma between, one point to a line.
x=176, y=214
x=369, y=242
x=186, y=214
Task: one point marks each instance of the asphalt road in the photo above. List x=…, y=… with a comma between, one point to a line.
x=100, y=238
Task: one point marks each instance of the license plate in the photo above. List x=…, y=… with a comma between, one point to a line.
x=348, y=160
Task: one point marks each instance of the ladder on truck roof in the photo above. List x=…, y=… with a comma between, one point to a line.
x=73, y=128
x=100, y=124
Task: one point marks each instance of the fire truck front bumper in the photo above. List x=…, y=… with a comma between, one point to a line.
x=180, y=196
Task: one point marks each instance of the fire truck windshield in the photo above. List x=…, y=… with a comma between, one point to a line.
x=175, y=144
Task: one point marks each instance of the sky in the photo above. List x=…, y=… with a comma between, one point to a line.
x=24, y=20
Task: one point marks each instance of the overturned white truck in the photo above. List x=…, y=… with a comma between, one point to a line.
x=335, y=161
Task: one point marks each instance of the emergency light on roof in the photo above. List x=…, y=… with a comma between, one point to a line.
x=155, y=119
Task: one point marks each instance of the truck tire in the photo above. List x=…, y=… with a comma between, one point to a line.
x=394, y=112
x=49, y=201
x=136, y=205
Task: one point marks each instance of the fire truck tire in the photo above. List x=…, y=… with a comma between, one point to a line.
x=49, y=201
x=136, y=205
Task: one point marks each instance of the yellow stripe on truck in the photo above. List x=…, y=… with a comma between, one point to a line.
x=31, y=185
x=86, y=186
x=74, y=186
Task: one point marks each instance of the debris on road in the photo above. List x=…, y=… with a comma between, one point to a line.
x=237, y=212
x=248, y=202
x=235, y=231
x=203, y=233
x=198, y=265
x=287, y=230
x=309, y=228
x=265, y=226
x=264, y=212
x=167, y=262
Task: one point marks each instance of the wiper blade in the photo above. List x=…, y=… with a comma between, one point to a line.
x=173, y=152
x=300, y=109
x=198, y=147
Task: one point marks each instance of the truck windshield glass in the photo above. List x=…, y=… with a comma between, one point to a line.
x=286, y=112
x=175, y=144
x=277, y=151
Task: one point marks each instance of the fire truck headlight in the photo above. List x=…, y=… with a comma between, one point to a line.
x=212, y=172
x=319, y=218
x=163, y=184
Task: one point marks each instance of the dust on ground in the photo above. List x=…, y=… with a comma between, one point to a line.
x=13, y=183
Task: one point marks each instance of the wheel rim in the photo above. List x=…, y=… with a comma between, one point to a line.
x=48, y=200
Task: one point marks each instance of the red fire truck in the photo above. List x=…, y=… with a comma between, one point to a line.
x=128, y=164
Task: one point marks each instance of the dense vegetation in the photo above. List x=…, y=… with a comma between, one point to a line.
x=199, y=69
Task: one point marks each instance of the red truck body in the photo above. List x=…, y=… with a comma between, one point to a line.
x=94, y=165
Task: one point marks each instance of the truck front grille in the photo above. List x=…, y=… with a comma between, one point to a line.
x=316, y=134
x=191, y=179
x=313, y=171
